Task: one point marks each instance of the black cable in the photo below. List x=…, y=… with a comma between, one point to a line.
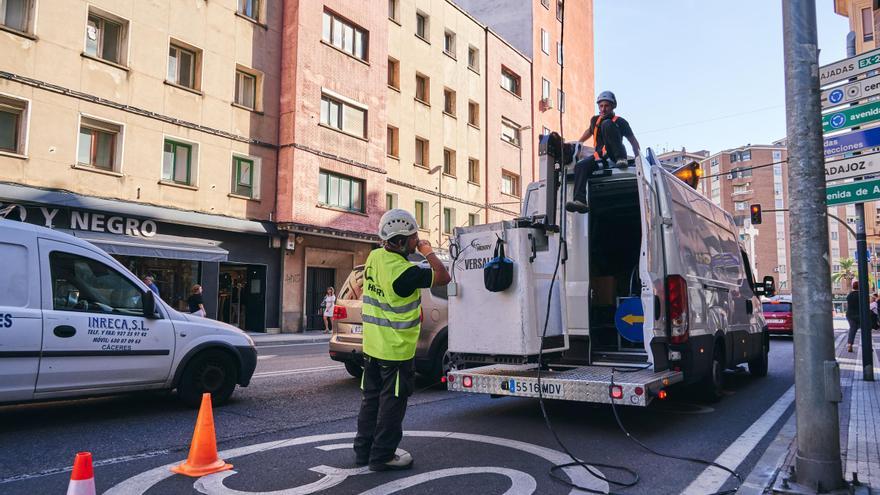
x=742, y=169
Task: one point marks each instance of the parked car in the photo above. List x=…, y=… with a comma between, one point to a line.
x=346, y=341
x=777, y=314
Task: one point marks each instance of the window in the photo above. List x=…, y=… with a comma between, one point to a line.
x=777, y=170
x=12, y=125
x=246, y=176
x=421, y=214
x=834, y=236
x=422, y=152
x=448, y=220
x=249, y=8
x=868, y=24
x=245, y=89
x=510, y=183
x=449, y=43
x=183, y=66
x=559, y=53
x=474, y=113
x=545, y=89
x=473, y=219
x=510, y=132
x=345, y=36
x=105, y=38
x=545, y=131
x=422, y=26
x=340, y=191
x=423, y=88
x=449, y=101
x=545, y=42
x=779, y=204
x=742, y=189
x=177, y=162
x=739, y=205
x=449, y=162
x=560, y=100
x=16, y=14
x=474, y=59
x=560, y=11
x=734, y=158
x=97, y=144
x=343, y=116
x=473, y=170
x=392, y=143
x=745, y=155
x=390, y=201
x=510, y=81
x=394, y=73
x=393, y=10
x=85, y=285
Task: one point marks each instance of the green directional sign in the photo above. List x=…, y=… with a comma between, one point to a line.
x=851, y=117
x=854, y=192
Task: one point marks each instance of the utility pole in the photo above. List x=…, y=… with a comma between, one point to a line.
x=817, y=462
x=864, y=291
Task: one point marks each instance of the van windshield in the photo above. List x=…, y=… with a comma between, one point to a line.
x=782, y=307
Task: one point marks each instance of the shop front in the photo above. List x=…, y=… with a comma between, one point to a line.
x=237, y=262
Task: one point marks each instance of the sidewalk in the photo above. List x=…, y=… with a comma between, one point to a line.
x=309, y=337
x=859, y=414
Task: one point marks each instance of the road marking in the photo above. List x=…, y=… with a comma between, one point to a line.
x=104, y=462
x=267, y=356
x=323, y=342
x=712, y=478
x=298, y=371
x=521, y=483
x=142, y=482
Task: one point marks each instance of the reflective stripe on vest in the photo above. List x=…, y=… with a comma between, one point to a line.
x=391, y=323
x=596, y=138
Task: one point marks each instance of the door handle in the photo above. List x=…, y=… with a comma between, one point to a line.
x=64, y=331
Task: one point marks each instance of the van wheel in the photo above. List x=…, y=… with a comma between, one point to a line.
x=758, y=366
x=209, y=371
x=440, y=363
x=711, y=387
x=353, y=369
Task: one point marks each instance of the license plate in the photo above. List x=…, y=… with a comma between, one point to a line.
x=775, y=321
x=553, y=390
x=357, y=329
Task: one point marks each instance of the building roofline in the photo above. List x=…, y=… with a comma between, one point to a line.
x=487, y=29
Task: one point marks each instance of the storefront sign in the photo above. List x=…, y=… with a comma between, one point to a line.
x=78, y=220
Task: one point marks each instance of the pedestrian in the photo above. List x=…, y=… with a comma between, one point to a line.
x=196, y=302
x=327, y=306
x=149, y=282
x=852, y=314
x=608, y=131
x=391, y=315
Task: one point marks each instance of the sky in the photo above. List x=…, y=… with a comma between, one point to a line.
x=701, y=74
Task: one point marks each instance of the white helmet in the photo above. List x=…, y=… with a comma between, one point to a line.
x=397, y=222
x=607, y=96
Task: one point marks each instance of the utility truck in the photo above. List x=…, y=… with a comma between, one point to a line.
x=648, y=289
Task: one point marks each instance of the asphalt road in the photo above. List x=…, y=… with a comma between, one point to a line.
x=293, y=425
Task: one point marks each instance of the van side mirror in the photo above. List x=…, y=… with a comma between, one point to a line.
x=769, y=286
x=148, y=303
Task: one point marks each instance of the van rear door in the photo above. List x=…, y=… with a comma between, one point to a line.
x=20, y=318
x=654, y=207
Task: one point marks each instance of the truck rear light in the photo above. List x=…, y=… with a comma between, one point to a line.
x=467, y=382
x=662, y=395
x=450, y=378
x=676, y=288
x=615, y=391
x=639, y=390
x=339, y=313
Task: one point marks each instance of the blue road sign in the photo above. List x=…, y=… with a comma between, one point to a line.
x=852, y=141
x=630, y=318
x=835, y=96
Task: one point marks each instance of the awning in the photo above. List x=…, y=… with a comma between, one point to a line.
x=158, y=246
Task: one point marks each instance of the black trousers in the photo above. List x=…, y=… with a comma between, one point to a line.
x=853, y=328
x=386, y=387
x=614, y=150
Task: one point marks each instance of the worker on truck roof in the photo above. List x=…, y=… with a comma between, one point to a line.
x=608, y=131
x=392, y=321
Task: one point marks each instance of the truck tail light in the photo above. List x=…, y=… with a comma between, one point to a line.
x=676, y=288
x=339, y=313
x=467, y=382
x=662, y=394
x=615, y=391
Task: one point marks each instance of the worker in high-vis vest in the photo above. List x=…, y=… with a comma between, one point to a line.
x=608, y=131
x=391, y=314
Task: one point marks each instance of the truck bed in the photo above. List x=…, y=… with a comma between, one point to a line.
x=582, y=383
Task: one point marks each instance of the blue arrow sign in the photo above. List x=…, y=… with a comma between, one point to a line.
x=630, y=318
x=853, y=141
x=835, y=96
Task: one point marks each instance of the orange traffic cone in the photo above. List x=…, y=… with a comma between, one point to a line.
x=82, y=479
x=202, y=457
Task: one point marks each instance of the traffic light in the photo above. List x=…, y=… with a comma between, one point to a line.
x=756, y=214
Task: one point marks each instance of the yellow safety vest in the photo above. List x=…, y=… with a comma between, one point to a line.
x=391, y=322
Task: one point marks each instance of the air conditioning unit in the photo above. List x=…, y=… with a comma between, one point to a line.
x=729, y=176
x=546, y=104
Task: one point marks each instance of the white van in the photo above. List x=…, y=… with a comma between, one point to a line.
x=652, y=279
x=74, y=323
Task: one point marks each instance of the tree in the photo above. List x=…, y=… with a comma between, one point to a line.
x=846, y=273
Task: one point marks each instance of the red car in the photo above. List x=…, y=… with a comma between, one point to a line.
x=778, y=317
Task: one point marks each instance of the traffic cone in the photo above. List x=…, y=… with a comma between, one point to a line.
x=82, y=479
x=202, y=457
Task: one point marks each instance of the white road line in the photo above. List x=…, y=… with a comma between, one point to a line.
x=67, y=469
x=712, y=478
x=267, y=356
x=298, y=371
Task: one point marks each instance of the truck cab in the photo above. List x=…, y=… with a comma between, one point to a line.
x=75, y=323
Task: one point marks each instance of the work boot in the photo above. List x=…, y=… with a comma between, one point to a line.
x=361, y=461
x=577, y=206
x=398, y=463
x=622, y=163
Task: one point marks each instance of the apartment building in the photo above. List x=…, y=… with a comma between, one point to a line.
x=678, y=158
x=150, y=129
